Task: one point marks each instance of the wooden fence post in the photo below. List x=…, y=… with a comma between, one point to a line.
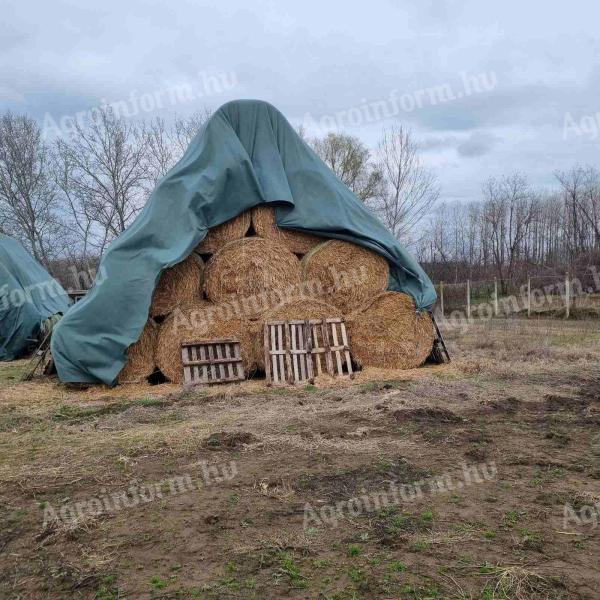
x=567, y=296
x=528, y=296
x=469, y=299
x=442, y=297
x=495, y=297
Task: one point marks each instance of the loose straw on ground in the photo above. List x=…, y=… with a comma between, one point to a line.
x=180, y=284
x=265, y=225
x=348, y=275
x=141, y=356
x=201, y=320
x=250, y=274
x=389, y=333
x=231, y=230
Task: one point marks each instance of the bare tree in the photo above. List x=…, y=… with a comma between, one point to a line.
x=509, y=209
x=28, y=202
x=165, y=145
x=581, y=189
x=410, y=190
x=185, y=130
x=103, y=172
x=160, y=150
x=572, y=183
x=349, y=159
x=590, y=204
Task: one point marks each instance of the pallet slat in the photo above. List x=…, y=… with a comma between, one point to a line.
x=212, y=361
x=295, y=350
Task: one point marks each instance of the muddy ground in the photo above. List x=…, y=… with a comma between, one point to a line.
x=447, y=482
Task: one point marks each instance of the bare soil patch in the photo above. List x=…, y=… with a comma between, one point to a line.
x=244, y=491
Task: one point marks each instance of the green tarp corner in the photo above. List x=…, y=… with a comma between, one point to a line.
x=28, y=296
x=246, y=154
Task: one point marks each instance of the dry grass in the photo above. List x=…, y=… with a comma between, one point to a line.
x=179, y=284
x=200, y=321
x=231, y=230
x=388, y=332
x=519, y=583
x=248, y=272
x=311, y=444
x=141, y=356
x=348, y=275
x=265, y=225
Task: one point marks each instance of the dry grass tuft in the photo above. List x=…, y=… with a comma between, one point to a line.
x=200, y=320
x=57, y=529
x=141, y=363
x=231, y=230
x=388, y=332
x=180, y=284
x=265, y=225
x=250, y=271
x=347, y=275
x=521, y=584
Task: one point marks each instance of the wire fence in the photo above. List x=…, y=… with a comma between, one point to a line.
x=576, y=294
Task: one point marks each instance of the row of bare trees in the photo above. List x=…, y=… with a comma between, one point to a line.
x=514, y=229
x=392, y=180
x=67, y=198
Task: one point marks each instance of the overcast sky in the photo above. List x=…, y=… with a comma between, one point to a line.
x=355, y=66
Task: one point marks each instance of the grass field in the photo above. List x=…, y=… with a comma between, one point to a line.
x=243, y=491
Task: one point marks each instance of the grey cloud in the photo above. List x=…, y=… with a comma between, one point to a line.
x=477, y=144
x=320, y=58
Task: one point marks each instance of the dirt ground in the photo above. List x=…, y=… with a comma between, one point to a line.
x=254, y=492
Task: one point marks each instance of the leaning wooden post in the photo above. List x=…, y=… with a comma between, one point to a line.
x=469, y=299
x=442, y=297
x=567, y=296
x=528, y=297
x=495, y=297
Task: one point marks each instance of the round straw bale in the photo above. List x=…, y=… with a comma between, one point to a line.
x=200, y=320
x=251, y=274
x=302, y=308
x=345, y=275
x=180, y=284
x=388, y=332
x=141, y=360
x=231, y=230
x=265, y=225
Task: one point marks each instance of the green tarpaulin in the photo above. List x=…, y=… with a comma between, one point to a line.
x=246, y=154
x=28, y=296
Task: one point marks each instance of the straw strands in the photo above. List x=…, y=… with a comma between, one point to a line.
x=181, y=283
x=251, y=273
x=347, y=275
x=265, y=225
x=387, y=332
x=141, y=356
x=197, y=321
x=231, y=230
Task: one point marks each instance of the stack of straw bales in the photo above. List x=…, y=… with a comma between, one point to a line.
x=246, y=279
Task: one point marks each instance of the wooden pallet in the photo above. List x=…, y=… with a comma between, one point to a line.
x=212, y=361
x=298, y=350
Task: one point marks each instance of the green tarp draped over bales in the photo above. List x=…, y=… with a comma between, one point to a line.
x=246, y=154
x=28, y=296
